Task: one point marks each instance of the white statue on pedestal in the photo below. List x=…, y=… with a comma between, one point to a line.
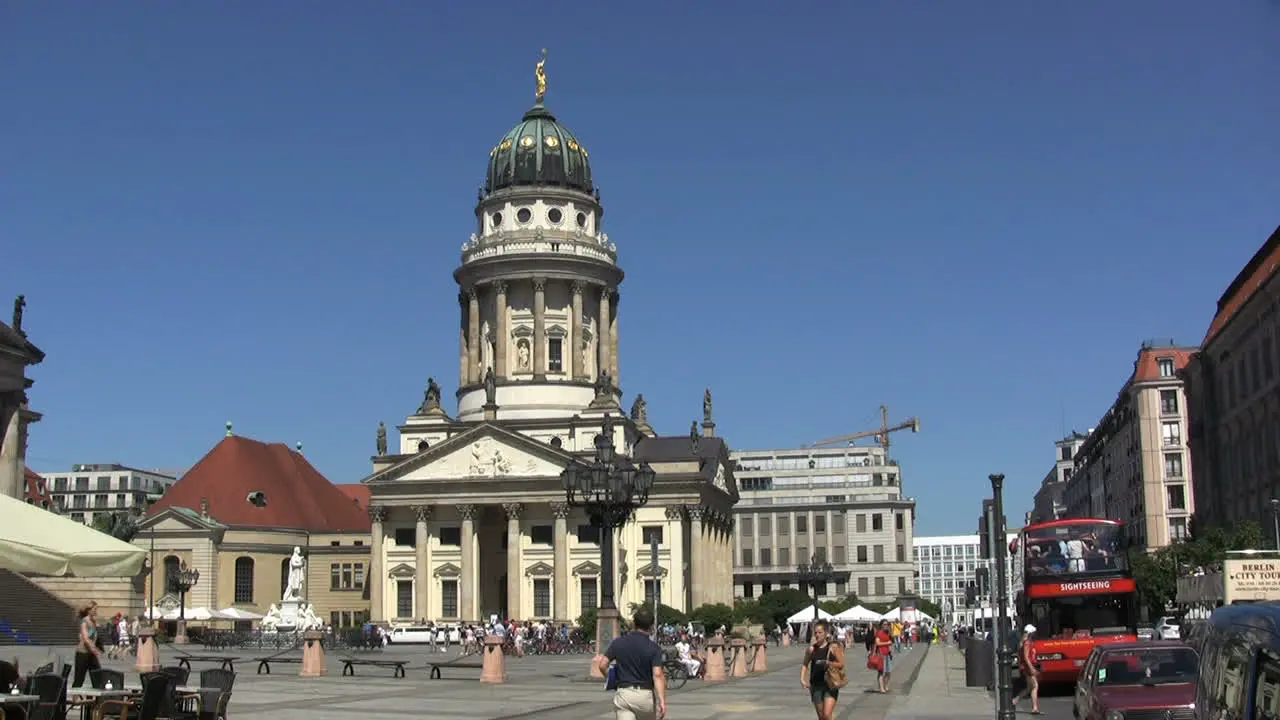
x=272, y=619
x=297, y=574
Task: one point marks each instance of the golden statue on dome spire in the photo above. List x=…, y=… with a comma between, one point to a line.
x=541, y=74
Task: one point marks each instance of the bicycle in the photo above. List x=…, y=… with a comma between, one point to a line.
x=677, y=674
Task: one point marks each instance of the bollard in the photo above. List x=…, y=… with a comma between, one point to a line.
x=715, y=660
x=312, y=654
x=759, y=660
x=786, y=640
x=978, y=663
x=494, y=667
x=148, y=655
x=739, y=657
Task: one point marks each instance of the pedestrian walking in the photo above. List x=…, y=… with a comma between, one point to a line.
x=1030, y=670
x=823, y=671
x=640, y=690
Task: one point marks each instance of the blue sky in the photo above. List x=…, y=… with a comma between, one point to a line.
x=971, y=212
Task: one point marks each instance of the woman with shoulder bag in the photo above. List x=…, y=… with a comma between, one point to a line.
x=881, y=657
x=823, y=671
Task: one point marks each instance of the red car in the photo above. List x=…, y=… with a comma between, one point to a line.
x=1138, y=681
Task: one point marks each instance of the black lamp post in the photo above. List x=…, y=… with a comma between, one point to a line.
x=609, y=488
x=815, y=575
x=1000, y=597
x=185, y=580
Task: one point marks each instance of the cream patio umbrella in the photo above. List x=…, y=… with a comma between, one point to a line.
x=34, y=540
x=235, y=613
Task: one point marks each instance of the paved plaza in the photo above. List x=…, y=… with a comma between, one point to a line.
x=549, y=688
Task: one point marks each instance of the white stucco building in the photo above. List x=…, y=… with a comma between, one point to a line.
x=947, y=564
x=85, y=490
x=469, y=512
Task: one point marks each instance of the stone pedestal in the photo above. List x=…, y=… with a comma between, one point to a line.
x=312, y=654
x=715, y=659
x=490, y=413
x=181, y=637
x=608, y=621
x=148, y=655
x=739, y=649
x=759, y=658
x=786, y=640
x=494, y=667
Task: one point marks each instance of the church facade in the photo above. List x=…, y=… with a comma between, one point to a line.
x=469, y=514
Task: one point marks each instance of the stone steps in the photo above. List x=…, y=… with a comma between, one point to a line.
x=30, y=615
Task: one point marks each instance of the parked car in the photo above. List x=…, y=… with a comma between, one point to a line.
x=1146, y=631
x=1142, y=679
x=1168, y=629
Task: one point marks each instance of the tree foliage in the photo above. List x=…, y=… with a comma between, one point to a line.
x=778, y=605
x=119, y=525
x=666, y=614
x=713, y=616
x=1156, y=573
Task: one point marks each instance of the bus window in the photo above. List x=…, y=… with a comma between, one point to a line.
x=1231, y=679
x=1266, y=700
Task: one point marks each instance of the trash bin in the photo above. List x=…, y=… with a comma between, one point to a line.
x=979, y=662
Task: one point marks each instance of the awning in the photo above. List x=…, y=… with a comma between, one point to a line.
x=35, y=540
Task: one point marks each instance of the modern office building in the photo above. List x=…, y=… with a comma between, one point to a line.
x=1050, y=500
x=1232, y=392
x=86, y=490
x=946, y=564
x=840, y=505
x=1133, y=467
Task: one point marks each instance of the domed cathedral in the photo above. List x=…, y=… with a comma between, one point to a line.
x=470, y=517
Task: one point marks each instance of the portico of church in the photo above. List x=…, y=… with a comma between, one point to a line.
x=478, y=525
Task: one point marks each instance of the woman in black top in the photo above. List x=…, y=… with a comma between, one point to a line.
x=821, y=655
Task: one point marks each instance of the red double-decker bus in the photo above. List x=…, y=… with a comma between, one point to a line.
x=1077, y=590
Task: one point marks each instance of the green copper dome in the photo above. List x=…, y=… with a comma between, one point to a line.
x=539, y=152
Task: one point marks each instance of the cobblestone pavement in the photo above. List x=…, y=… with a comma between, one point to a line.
x=542, y=688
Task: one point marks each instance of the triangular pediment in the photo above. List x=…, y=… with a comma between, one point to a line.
x=178, y=519
x=587, y=569
x=486, y=451
x=651, y=571
x=540, y=569
x=448, y=570
x=401, y=571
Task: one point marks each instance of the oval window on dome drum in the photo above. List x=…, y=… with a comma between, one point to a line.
x=582, y=220
x=523, y=215
x=497, y=219
x=555, y=216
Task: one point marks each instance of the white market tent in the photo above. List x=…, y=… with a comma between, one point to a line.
x=234, y=613
x=34, y=540
x=198, y=614
x=806, y=615
x=858, y=613
x=896, y=614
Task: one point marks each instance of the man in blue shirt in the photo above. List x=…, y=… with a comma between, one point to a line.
x=642, y=684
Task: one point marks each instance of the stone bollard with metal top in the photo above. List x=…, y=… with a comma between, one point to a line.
x=312, y=654
x=148, y=655
x=493, y=669
x=786, y=640
x=759, y=659
x=715, y=660
x=739, y=657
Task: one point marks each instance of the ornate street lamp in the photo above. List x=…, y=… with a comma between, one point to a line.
x=185, y=579
x=609, y=488
x=815, y=575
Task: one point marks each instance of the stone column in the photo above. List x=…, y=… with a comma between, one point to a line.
x=540, y=329
x=673, y=584
x=728, y=560
x=602, y=331
x=560, y=539
x=467, y=583
x=515, y=578
x=474, y=372
x=463, y=353
x=697, y=555
x=377, y=570
x=575, y=332
x=613, y=342
x=501, y=330
x=12, y=481
x=422, y=563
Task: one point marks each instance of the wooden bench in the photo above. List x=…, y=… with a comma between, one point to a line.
x=227, y=662
x=264, y=664
x=436, y=666
x=349, y=666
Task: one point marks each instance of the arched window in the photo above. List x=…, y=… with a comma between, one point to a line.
x=284, y=576
x=172, y=566
x=244, y=580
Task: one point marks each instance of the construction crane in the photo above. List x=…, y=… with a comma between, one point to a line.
x=881, y=434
